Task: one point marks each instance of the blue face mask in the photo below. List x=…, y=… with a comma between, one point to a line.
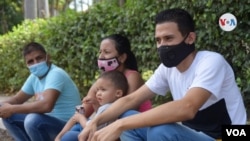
x=39, y=69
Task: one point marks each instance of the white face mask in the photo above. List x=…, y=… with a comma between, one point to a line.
x=39, y=69
x=108, y=64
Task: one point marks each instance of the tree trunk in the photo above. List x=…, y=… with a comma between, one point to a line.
x=30, y=9
x=43, y=9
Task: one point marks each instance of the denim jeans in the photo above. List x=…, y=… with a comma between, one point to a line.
x=33, y=127
x=72, y=134
x=164, y=132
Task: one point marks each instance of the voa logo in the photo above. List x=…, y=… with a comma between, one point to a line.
x=236, y=132
x=228, y=22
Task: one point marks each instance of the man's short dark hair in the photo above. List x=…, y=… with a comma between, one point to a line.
x=181, y=17
x=33, y=46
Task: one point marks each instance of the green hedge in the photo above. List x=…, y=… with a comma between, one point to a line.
x=72, y=39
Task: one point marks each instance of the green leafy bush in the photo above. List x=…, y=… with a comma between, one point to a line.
x=72, y=39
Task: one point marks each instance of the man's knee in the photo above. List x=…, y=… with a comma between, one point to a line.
x=70, y=136
x=32, y=120
x=157, y=132
x=129, y=113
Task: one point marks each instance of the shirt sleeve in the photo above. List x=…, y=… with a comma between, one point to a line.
x=158, y=82
x=55, y=80
x=28, y=85
x=211, y=73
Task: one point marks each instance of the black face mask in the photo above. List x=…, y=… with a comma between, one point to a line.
x=171, y=56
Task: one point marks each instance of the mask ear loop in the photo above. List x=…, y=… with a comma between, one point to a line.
x=49, y=65
x=185, y=37
x=119, y=63
x=122, y=58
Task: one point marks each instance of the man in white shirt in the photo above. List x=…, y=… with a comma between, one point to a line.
x=202, y=84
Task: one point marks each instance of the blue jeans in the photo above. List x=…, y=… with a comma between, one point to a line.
x=164, y=132
x=33, y=127
x=72, y=135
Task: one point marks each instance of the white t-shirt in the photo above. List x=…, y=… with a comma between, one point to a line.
x=210, y=71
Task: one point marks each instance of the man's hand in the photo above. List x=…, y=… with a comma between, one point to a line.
x=5, y=110
x=88, y=132
x=109, y=133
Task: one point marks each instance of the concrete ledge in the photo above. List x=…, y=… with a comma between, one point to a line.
x=1, y=124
